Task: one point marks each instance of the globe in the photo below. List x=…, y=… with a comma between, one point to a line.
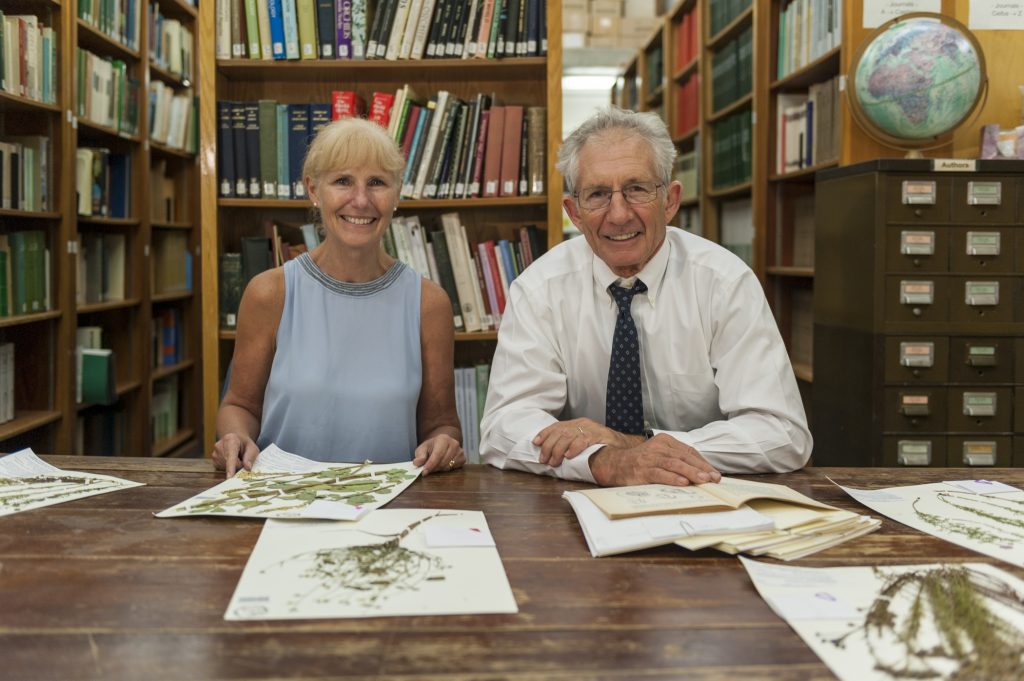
x=915, y=79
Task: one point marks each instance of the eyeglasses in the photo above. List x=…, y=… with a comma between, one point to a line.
x=598, y=198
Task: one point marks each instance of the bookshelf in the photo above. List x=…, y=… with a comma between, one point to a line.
x=531, y=81
x=117, y=297
x=780, y=247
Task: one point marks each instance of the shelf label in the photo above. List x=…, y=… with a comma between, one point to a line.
x=984, y=193
x=979, y=404
x=917, y=354
x=996, y=15
x=981, y=355
x=954, y=165
x=980, y=452
x=914, y=405
x=914, y=452
x=983, y=243
x=917, y=192
x=877, y=12
x=917, y=292
x=981, y=292
x=917, y=243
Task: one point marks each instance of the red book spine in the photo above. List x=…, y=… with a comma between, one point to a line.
x=499, y=284
x=380, y=108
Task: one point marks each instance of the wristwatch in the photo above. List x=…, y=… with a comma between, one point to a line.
x=648, y=433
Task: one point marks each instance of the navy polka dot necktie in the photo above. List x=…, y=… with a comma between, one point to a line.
x=624, y=407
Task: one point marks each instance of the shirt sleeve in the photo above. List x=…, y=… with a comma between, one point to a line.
x=527, y=391
x=765, y=428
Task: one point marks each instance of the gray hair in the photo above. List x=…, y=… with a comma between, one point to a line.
x=647, y=125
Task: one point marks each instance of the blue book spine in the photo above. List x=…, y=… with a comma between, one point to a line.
x=284, y=185
x=343, y=28
x=120, y=185
x=276, y=29
x=506, y=259
x=417, y=138
x=298, y=132
x=291, y=29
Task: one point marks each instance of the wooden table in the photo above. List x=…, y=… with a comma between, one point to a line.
x=99, y=588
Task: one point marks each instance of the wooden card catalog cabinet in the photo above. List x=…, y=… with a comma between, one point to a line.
x=918, y=314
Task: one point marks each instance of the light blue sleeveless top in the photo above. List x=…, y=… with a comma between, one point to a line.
x=347, y=370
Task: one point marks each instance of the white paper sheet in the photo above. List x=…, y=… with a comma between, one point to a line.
x=827, y=608
x=375, y=567
x=28, y=482
x=283, y=485
x=992, y=524
x=608, y=537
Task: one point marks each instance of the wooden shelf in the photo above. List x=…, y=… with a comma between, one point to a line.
x=227, y=334
x=89, y=127
x=381, y=70
x=170, y=297
x=163, y=371
x=687, y=203
x=106, y=307
x=168, y=77
x=822, y=68
x=177, y=9
x=733, y=107
x=120, y=390
x=18, y=320
x=165, y=447
x=107, y=222
x=165, y=150
x=732, y=29
x=687, y=137
x=730, y=192
x=94, y=40
x=9, y=102
x=803, y=372
x=155, y=224
x=25, y=421
x=684, y=73
x=790, y=271
x=475, y=336
x=654, y=98
x=802, y=175
x=404, y=204
x=29, y=214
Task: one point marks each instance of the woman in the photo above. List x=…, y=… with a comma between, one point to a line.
x=344, y=354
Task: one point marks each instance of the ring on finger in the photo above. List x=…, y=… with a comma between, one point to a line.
x=580, y=428
x=451, y=464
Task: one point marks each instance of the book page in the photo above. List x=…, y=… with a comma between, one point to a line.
x=284, y=485
x=637, y=500
x=735, y=492
x=28, y=482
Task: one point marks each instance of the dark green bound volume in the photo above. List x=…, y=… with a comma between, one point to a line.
x=231, y=284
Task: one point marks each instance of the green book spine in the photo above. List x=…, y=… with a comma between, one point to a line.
x=252, y=29
x=18, y=278
x=4, y=310
x=231, y=285
x=268, y=146
x=444, y=270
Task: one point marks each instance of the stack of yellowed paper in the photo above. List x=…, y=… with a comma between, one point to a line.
x=801, y=525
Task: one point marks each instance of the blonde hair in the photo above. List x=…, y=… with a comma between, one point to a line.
x=352, y=142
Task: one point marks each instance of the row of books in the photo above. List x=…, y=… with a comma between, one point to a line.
x=807, y=30
x=688, y=105
x=28, y=57
x=105, y=94
x=100, y=262
x=172, y=262
x=164, y=409
x=732, y=70
x=171, y=43
x=103, y=182
x=24, y=273
x=731, y=150
x=167, y=195
x=687, y=173
x=453, y=148
x=722, y=12
x=101, y=432
x=470, y=395
x=25, y=173
x=736, y=227
x=173, y=117
x=6, y=382
x=117, y=19
x=654, y=63
x=807, y=127
x=687, y=37
x=379, y=29
x=168, y=342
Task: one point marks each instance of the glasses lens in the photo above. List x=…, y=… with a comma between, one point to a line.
x=595, y=197
x=641, y=192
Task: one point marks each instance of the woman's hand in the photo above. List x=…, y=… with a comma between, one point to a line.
x=233, y=452
x=439, y=454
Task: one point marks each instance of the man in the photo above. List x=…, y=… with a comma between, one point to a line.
x=642, y=353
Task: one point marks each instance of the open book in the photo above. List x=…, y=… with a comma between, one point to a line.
x=729, y=494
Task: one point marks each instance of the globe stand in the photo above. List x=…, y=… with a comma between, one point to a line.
x=915, y=147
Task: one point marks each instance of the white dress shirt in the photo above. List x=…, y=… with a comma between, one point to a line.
x=714, y=369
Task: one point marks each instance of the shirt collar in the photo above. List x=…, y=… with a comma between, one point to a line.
x=653, y=273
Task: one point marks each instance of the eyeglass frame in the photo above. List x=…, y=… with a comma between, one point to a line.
x=654, y=196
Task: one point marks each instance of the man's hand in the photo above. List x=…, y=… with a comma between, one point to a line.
x=566, y=439
x=439, y=454
x=662, y=459
x=234, y=452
